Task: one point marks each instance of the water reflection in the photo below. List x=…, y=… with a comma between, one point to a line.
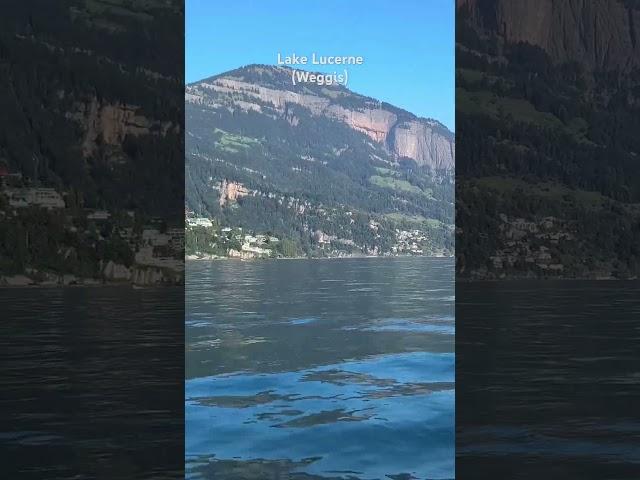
x=549, y=380
x=320, y=369
x=91, y=383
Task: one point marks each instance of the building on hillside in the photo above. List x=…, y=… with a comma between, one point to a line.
x=153, y=237
x=199, y=222
x=34, y=197
x=255, y=250
x=176, y=239
x=98, y=215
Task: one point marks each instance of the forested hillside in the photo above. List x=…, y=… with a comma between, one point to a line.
x=548, y=175
x=89, y=94
x=270, y=157
x=91, y=133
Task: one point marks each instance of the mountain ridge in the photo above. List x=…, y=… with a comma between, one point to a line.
x=425, y=140
x=323, y=169
x=253, y=66
x=601, y=34
x=547, y=181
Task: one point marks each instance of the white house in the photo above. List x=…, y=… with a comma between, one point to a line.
x=38, y=197
x=199, y=222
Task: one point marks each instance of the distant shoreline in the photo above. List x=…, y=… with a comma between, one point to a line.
x=5, y=283
x=56, y=286
x=364, y=257
x=523, y=279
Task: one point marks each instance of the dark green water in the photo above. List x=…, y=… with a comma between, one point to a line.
x=549, y=380
x=91, y=384
x=313, y=369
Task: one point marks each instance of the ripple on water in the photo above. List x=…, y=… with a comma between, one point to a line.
x=321, y=370
x=404, y=398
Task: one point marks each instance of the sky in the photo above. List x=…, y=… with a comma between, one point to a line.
x=407, y=45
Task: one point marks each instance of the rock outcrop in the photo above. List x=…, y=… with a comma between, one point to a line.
x=417, y=140
x=231, y=191
x=116, y=272
x=602, y=34
x=142, y=275
x=109, y=124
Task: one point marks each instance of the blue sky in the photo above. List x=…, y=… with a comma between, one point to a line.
x=407, y=45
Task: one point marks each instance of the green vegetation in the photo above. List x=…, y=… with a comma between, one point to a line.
x=541, y=140
x=43, y=241
x=394, y=184
x=488, y=103
x=217, y=242
x=403, y=218
x=60, y=61
x=42, y=128
x=234, y=143
x=126, y=8
x=308, y=174
x=210, y=241
x=552, y=191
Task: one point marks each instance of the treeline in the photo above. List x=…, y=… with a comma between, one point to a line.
x=55, y=59
x=577, y=162
x=42, y=241
x=321, y=161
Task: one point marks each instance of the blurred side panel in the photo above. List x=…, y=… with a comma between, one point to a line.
x=548, y=239
x=92, y=239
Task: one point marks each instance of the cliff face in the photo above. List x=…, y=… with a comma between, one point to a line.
x=109, y=124
x=425, y=141
x=231, y=191
x=602, y=34
x=418, y=140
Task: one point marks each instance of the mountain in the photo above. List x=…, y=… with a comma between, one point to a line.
x=602, y=34
x=547, y=114
x=318, y=165
x=426, y=141
x=91, y=140
x=84, y=111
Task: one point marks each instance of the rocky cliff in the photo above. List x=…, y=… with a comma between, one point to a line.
x=107, y=124
x=231, y=191
x=418, y=140
x=426, y=141
x=602, y=34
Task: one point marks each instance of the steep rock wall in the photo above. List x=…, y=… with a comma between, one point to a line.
x=602, y=34
x=416, y=139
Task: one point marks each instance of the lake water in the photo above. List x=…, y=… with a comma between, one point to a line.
x=92, y=383
x=311, y=369
x=548, y=380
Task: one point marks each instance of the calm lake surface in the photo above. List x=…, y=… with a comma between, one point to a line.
x=91, y=383
x=311, y=369
x=548, y=380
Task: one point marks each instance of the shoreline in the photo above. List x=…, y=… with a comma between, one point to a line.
x=130, y=286
x=190, y=258
x=544, y=279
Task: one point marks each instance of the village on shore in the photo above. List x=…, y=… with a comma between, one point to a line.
x=206, y=240
x=81, y=246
